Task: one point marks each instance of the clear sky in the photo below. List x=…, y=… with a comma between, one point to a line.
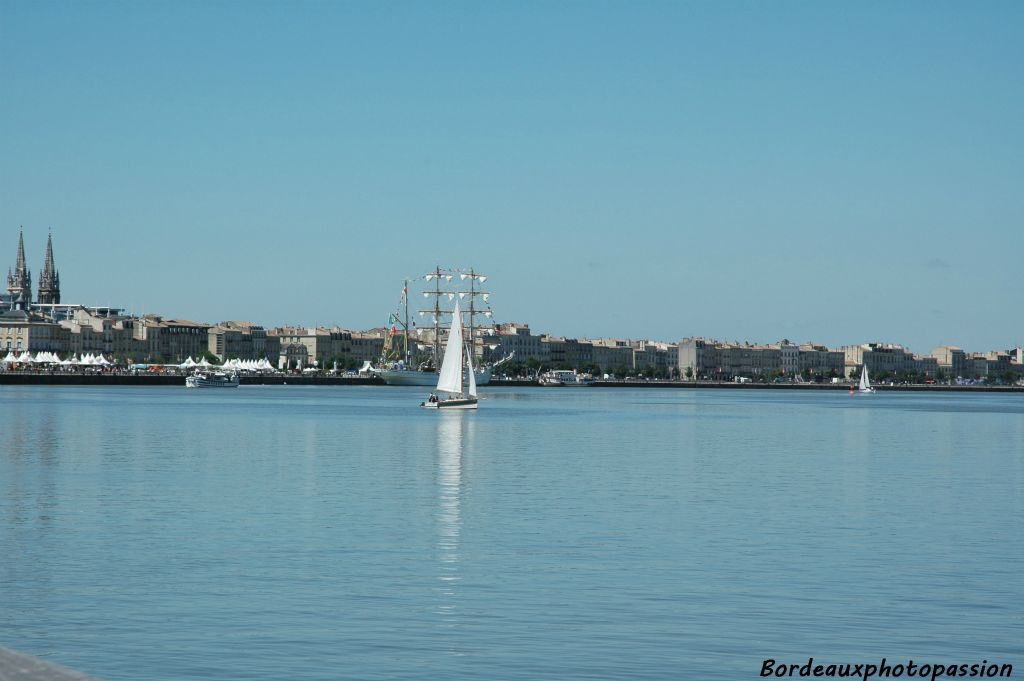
x=836, y=172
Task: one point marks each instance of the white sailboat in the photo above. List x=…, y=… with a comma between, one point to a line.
x=449, y=380
x=865, y=384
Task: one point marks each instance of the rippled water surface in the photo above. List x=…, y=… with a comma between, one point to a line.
x=344, y=533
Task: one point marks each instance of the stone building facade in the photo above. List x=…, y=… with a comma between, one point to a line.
x=22, y=331
x=240, y=340
x=705, y=358
x=302, y=347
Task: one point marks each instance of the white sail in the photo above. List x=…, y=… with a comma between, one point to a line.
x=472, y=374
x=450, y=378
x=865, y=384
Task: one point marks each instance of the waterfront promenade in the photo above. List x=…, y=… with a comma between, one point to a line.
x=154, y=379
x=168, y=379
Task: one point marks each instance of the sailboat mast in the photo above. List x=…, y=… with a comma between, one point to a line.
x=471, y=373
x=437, y=315
x=405, y=294
x=472, y=310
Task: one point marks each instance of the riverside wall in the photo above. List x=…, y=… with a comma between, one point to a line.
x=697, y=385
x=28, y=378
x=112, y=379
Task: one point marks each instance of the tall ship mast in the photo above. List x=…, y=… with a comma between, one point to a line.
x=414, y=345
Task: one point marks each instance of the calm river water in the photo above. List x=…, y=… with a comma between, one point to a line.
x=343, y=533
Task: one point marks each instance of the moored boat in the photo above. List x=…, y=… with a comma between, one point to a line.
x=565, y=378
x=212, y=379
x=401, y=375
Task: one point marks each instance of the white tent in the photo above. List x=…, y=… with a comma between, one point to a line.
x=188, y=363
x=10, y=358
x=102, y=361
x=203, y=363
x=25, y=358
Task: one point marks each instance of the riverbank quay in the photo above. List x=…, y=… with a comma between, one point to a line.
x=514, y=383
x=147, y=379
x=166, y=379
x=310, y=380
x=730, y=385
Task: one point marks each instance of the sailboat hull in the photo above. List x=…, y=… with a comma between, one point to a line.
x=451, y=375
x=424, y=378
x=454, y=403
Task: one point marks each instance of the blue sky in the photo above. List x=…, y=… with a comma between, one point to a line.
x=743, y=170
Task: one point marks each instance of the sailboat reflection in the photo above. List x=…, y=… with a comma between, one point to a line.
x=451, y=433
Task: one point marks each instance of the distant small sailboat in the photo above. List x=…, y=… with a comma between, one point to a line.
x=449, y=379
x=865, y=383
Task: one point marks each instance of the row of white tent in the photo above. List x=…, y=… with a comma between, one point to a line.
x=52, y=358
x=234, y=364
x=100, y=361
x=190, y=363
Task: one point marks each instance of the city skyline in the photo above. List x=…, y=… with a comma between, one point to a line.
x=49, y=292
x=651, y=171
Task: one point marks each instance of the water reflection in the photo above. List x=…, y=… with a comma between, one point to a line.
x=30, y=458
x=30, y=442
x=451, y=435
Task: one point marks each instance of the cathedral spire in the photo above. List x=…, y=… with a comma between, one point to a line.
x=20, y=265
x=48, y=265
x=19, y=284
x=49, y=280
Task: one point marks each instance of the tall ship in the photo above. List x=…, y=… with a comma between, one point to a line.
x=415, y=342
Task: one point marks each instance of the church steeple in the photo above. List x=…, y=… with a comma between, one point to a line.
x=49, y=281
x=20, y=265
x=19, y=284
